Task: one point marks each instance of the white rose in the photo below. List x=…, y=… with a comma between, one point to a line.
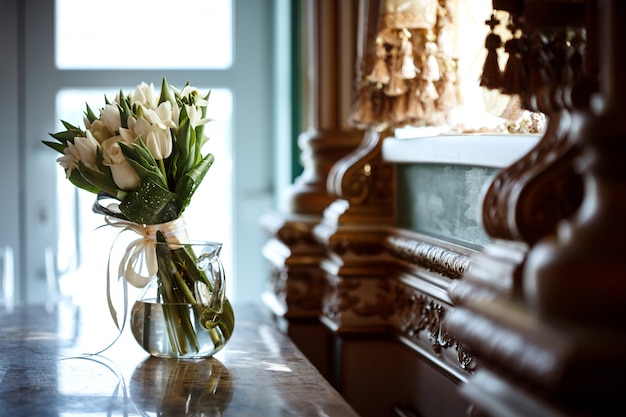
x=123, y=173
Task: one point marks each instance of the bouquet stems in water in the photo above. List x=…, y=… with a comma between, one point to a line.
x=186, y=290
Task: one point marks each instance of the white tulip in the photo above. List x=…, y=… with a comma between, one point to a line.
x=195, y=117
x=128, y=135
x=140, y=126
x=162, y=116
x=84, y=150
x=99, y=130
x=159, y=143
x=68, y=160
x=192, y=94
x=157, y=136
x=110, y=116
x=144, y=94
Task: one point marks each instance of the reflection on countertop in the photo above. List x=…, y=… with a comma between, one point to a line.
x=46, y=370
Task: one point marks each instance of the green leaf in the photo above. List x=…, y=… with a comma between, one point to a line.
x=105, y=170
x=181, y=145
x=69, y=134
x=125, y=112
x=142, y=161
x=98, y=179
x=166, y=93
x=150, y=204
x=79, y=181
x=187, y=185
x=64, y=137
x=59, y=147
x=194, y=157
x=105, y=208
x=71, y=127
x=90, y=114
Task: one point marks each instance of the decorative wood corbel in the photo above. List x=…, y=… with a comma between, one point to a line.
x=526, y=201
x=559, y=349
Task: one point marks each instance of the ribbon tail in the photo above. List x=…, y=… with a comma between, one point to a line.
x=112, y=310
x=133, y=255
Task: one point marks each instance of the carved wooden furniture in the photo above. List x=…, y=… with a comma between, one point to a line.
x=515, y=309
x=556, y=344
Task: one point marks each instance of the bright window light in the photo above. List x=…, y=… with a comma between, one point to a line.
x=143, y=34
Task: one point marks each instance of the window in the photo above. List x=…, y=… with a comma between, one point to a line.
x=143, y=34
x=53, y=80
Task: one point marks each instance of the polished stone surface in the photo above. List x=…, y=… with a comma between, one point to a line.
x=47, y=368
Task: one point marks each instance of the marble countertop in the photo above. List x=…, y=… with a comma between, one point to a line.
x=47, y=369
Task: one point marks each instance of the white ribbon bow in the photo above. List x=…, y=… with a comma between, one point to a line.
x=143, y=250
x=140, y=252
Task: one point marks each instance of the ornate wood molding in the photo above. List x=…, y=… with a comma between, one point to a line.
x=495, y=273
x=434, y=258
x=374, y=303
x=420, y=315
x=299, y=289
x=358, y=302
x=366, y=293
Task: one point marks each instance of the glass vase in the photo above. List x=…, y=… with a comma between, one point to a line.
x=183, y=312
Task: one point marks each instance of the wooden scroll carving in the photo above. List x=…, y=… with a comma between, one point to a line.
x=364, y=184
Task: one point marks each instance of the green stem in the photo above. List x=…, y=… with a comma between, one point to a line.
x=168, y=273
x=176, y=342
x=163, y=171
x=184, y=288
x=178, y=272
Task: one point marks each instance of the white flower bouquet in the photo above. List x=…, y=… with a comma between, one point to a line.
x=144, y=153
x=143, y=150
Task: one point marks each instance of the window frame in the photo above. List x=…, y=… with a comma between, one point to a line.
x=38, y=80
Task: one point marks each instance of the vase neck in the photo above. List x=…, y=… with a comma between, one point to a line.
x=174, y=231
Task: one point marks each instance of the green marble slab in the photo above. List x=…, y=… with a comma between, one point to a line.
x=443, y=201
